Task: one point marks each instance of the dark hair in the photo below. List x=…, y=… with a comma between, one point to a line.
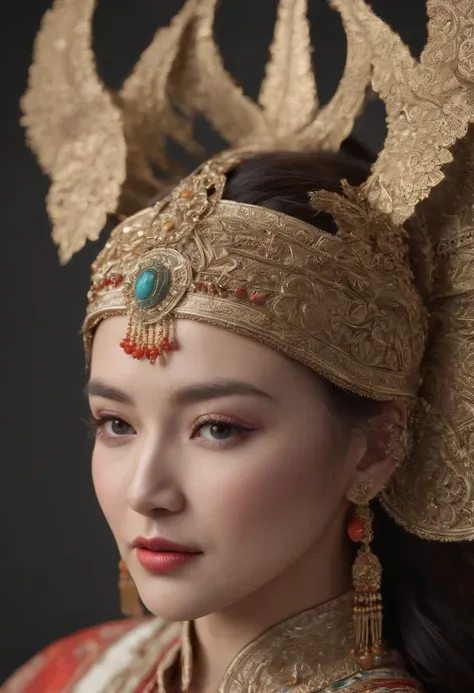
x=428, y=587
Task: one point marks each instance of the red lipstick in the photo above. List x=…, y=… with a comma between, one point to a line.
x=160, y=555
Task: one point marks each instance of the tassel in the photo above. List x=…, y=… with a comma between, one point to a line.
x=149, y=341
x=130, y=604
x=367, y=579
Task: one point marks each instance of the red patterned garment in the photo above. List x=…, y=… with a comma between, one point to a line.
x=121, y=656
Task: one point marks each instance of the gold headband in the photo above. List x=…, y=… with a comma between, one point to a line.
x=268, y=276
x=367, y=308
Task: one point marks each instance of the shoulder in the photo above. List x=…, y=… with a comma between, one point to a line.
x=94, y=658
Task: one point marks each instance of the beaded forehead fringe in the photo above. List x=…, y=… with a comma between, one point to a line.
x=376, y=311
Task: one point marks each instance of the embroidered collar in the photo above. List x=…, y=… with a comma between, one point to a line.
x=306, y=652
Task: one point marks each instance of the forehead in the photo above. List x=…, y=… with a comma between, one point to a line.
x=201, y=346
x=206, y=352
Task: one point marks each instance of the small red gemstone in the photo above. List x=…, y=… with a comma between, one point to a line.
x=164, y=343
x=139, y=353
x=241, y=292
x=356, y=529
x=212, y=288
x=173, y=345
x=154, y=353
x=128, y=348
x=147, y=353
x=123, y=343
x=257, y=298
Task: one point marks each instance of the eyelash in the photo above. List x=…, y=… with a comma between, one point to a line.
x=96, y=426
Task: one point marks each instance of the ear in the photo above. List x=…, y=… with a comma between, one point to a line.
x=378, y=462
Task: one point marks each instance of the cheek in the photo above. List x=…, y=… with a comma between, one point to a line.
x=110, y=487
x=273, y=496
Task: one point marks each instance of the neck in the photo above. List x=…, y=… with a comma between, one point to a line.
x=318, y=576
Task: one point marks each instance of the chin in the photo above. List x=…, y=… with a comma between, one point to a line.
x=182, y=598
x=177, y=602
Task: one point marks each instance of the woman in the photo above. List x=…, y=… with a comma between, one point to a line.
x=279, y=370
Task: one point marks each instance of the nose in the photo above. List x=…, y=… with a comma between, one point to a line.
x=155, y=485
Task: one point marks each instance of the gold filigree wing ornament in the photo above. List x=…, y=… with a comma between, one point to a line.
x=97, y=146
x=74, y=127
x=433, y=490
x=102, y=149
x=430, y=106
x=429, y=103
x=287, y=114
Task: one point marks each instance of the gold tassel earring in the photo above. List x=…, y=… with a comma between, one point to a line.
x=130, y=604
x=367, y=578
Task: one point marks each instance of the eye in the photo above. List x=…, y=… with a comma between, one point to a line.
x=110, y=427
x=116, y=427
x=219, y=430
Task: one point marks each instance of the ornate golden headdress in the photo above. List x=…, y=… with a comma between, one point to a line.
x=369, y=308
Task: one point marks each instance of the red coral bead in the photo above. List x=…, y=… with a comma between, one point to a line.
x=356, y=529
x=366, y=661
x=258, y=299
x=241, y=292
x=128, y=348
x=139, y=353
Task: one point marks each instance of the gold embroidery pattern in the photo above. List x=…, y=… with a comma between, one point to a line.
x=306, y=652
x=434, y=487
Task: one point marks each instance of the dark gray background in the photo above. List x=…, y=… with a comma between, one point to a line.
x=58, y=567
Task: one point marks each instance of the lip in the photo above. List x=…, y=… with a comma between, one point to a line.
x=163, y=545
x=159, y=555
x=163, y=561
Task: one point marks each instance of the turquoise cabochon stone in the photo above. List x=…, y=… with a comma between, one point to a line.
x=145, y=284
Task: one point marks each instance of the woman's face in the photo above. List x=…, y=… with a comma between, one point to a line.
x=228, y=449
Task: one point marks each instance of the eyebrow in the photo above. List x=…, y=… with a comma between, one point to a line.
x=190, y=394
x=98, y=388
